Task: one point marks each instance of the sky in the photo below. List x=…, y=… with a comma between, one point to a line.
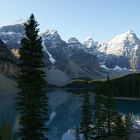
x=100, y=19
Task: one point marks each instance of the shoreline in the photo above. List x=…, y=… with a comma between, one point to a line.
x=127, y=98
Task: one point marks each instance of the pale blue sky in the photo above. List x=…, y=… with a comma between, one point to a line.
x=102, y=19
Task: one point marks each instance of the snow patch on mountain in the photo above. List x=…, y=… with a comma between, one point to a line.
x=119, y=45
x=89, y=43
x=120, y=53
x=10, y=34
x=74, y=43
x=73, y=40
x=50, y=35
x=19, y=21
x=116, y=68
x=52, y=116
x=50, y=56
x=104, y=66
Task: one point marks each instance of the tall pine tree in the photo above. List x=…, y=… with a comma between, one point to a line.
x=119, y=129
x=110, y=108
x=86, y=114
x=128, y=125
x=32, y=102
x=99, y=118
x=107, y=121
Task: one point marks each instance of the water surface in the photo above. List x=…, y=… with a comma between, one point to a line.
x=64, y=112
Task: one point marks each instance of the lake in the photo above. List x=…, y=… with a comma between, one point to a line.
x=64, y=112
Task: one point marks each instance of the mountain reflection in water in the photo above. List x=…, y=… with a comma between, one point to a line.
x=64, y=111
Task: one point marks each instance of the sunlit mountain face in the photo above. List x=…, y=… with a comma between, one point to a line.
x=72, y=59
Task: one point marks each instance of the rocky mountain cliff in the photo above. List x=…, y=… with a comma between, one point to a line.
x=73, y=59
x=11, y=35
x=68, y=60
x=8, y=63
x=122, y=51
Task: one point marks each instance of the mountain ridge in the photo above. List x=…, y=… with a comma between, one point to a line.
x=72, y=59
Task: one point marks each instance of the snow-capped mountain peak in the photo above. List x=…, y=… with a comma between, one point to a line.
x=74, y=43
x=89, y=42
x=124, y=50
x=89, y=38
x=127, y=36
x=49, y=32
x=19, y=21
x=11, y=35
x=15, y=28
x=129, y=32
x=119, y=45
x=51, y=35
x=73, y=40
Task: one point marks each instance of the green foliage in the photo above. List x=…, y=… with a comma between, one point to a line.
x=110, y=110
x=32, y=102
x=5, y=132
x=128, y=125
x=110, y=113
x=127, y=86
x=119, y=129
x=14, y=136
x=99, y=118
x=107, y=121
x=86, y=115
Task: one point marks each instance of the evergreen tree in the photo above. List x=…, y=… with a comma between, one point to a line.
x=99, y=118
x=107, y=121
x=14, y=136
x=31, y=100
x=110, y=111
x=5, y=132
x=77, y=135
x=86, y=114
x=119, y=129
x=128, y=125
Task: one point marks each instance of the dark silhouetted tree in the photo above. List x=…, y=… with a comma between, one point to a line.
x=86, y=114
x=119, y=129
x=32, y=101
x=99, y=118
x=128, y=125
x=77, y=134
x=110, y=111
x=5, y=131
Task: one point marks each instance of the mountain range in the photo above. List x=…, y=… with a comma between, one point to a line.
x=68, y=60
